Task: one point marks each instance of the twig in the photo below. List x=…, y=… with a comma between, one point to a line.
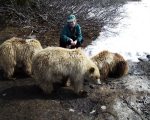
x=115, y=116
x=131, y=107
x=15, y=11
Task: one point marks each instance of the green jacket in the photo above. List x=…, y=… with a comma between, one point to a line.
x=66, y=34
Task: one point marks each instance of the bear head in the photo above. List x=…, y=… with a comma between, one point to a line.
x=93, y=75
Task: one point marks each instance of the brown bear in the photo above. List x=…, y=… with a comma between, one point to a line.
x=54, y=64
x=17, y=52
x=110, y=64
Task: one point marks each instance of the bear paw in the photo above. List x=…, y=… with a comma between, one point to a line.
x=83, y=93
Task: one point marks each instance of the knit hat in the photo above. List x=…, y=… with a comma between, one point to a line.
x=71, y=18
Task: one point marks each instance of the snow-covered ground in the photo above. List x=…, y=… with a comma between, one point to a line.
x=133, y=33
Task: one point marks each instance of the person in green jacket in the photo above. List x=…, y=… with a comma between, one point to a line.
x=71, y=35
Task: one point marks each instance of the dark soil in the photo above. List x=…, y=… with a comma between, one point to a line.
x=22, y=99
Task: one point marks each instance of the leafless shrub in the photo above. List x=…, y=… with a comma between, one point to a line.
x=92, y=14
x=54, y=13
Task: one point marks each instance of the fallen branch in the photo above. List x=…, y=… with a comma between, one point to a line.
x=131, y=107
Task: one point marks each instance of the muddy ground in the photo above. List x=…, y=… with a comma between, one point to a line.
x=21, y=99
x=126, y=98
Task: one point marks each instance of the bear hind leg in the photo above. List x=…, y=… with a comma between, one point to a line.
x=8, y=73
x=27, y=68
x=120, y=69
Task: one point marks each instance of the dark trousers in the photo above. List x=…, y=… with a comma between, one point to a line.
x=68, y=45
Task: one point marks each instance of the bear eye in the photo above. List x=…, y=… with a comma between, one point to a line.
x=91, y=70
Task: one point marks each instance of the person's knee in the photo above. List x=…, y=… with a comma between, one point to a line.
x=61, y=43
x=82, y=41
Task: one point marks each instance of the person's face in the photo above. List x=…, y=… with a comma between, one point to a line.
x=72, y=24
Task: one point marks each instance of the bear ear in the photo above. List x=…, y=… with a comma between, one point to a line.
x=92, y=69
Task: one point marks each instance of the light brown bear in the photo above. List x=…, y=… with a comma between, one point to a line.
x=110, y=64
x=55, y=64
x=17, y=52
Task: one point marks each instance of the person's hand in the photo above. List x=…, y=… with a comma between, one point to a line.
x=71, y=41
x=75, y=42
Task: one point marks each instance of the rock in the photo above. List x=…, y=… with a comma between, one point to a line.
x=71, y=110
x=4, y=94
x=103, y=107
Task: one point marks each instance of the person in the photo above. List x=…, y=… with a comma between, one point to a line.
x=71, y=35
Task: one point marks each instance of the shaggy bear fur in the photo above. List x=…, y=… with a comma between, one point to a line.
x=55, y=64
x=16, y=52
x=110, y=64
